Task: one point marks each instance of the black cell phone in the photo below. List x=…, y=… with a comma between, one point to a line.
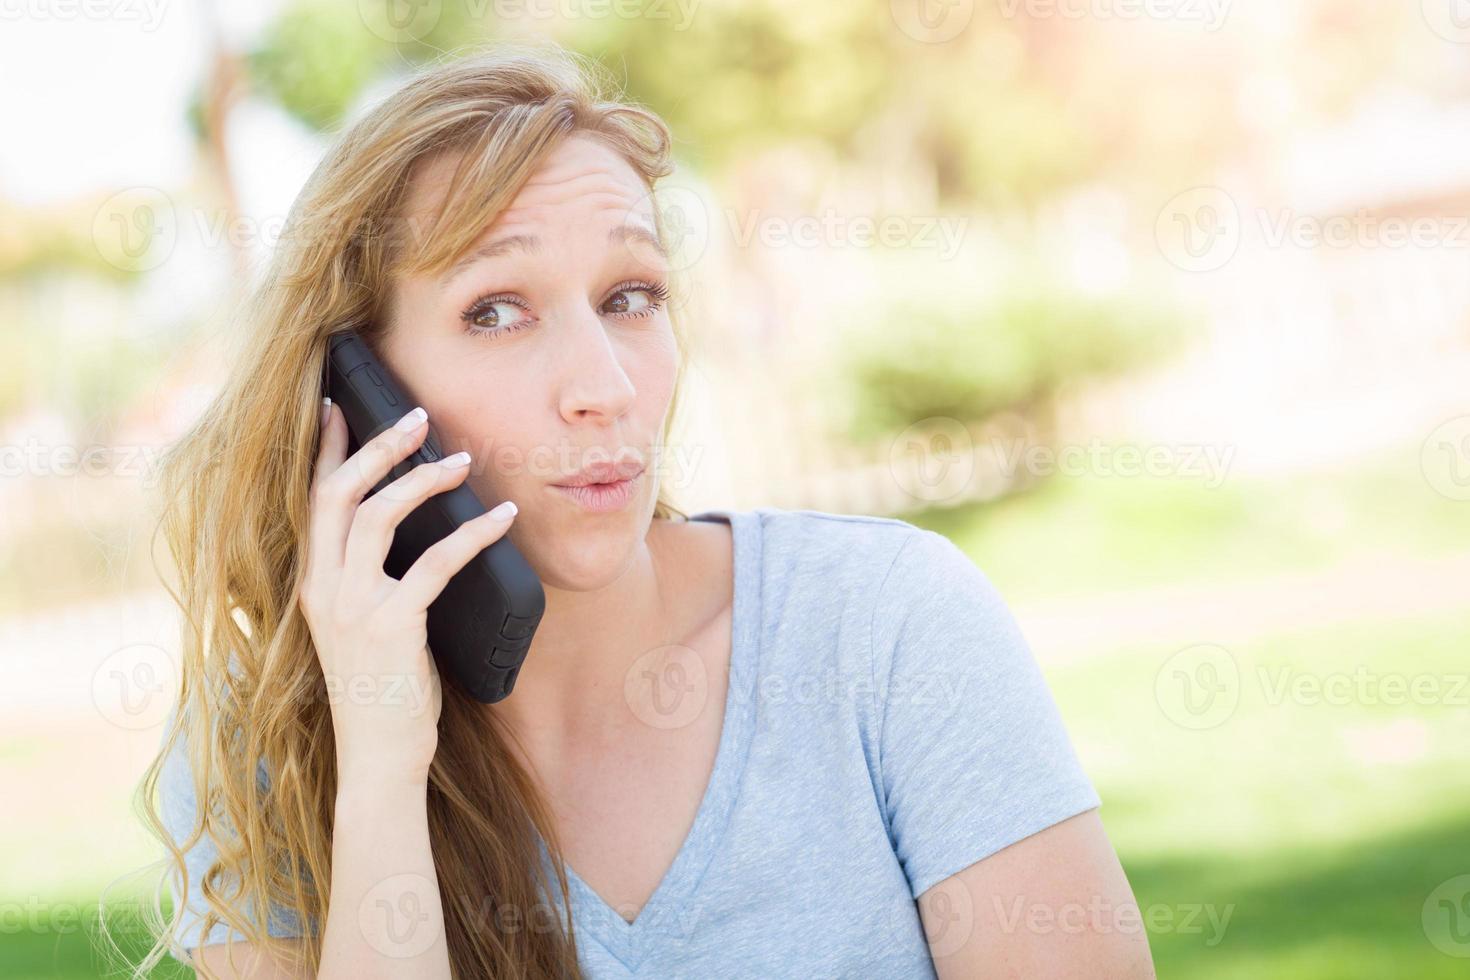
x=481, y=625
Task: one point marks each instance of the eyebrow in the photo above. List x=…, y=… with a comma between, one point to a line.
x=498, y=247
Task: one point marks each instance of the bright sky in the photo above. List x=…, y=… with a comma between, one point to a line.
x=97, y=102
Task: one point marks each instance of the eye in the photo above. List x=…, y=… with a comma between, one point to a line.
x=631, y=300
x=497, y=315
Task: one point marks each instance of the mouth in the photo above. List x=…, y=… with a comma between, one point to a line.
x=601, y=496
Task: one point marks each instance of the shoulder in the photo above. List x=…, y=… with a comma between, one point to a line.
x=878, y=569
x=848, y=546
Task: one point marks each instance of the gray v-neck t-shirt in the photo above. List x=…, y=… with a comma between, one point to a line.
x=885, y=727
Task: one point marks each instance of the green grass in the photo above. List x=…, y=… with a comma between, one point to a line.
x=52, y=940
x=1082, y=535
x=1325, y=853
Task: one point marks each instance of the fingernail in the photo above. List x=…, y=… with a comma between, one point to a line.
x=504, y=510
x=411, y=421
x=326, y=410
x=457, y=460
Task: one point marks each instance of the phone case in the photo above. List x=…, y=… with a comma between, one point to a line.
x=480, y=626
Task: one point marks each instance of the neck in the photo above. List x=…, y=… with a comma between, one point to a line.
x=574, y=673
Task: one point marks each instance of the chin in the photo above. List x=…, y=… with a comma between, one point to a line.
x=585, y=552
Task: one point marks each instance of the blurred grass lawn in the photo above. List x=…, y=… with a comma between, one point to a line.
x=1287, y=817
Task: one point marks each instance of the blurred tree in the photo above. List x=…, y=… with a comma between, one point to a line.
x=934, y=355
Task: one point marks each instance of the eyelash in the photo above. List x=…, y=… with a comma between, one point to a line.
x=659, y=292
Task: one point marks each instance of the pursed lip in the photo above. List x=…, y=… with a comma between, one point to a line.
x=603, y=471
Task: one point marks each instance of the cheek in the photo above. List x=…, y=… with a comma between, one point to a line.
x=651, y=367
x=492, y=412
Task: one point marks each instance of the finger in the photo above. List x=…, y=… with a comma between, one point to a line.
x=428, y=576
x=378, y=517
x=342, y=490
x=327, y=530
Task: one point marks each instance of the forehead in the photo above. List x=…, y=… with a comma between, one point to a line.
x=580, y=177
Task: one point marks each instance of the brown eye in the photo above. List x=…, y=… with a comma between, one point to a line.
x=635, y=300
x=497, y=315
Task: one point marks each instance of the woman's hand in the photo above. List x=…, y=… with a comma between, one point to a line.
x=370, y=629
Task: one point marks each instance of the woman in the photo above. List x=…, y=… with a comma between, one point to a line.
x=742, y=744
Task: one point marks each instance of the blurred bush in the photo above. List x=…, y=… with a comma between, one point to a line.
x=970, y=358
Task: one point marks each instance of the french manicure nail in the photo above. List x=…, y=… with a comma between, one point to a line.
x=326, y=409
x=411, y=421
x=459, y=459
x=504, y=510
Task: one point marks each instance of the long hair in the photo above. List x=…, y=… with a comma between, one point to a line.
x=234, y=496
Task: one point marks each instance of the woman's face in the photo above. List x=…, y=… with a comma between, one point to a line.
x=547, y=349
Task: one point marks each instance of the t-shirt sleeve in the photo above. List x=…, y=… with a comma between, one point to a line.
x=177, y=807
x=972, y=752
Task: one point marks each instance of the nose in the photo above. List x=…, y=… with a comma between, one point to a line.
x=595, y=387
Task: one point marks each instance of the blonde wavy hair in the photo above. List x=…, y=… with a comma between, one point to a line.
x=235, y=516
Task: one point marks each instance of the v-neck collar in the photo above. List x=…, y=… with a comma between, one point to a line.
x=668, y=911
